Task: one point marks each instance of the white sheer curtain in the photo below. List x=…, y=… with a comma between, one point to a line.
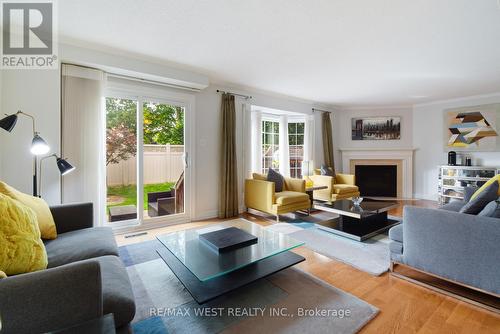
x=83, y=124
x=308, y=138
x=284, y=149
x=256, y=142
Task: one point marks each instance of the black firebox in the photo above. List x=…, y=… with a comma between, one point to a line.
x=377, y=181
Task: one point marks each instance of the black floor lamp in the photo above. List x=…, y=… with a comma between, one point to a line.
x=62, y=164
x=38, y=145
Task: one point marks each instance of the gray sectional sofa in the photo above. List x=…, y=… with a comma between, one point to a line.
x=85, y=279
x=456, y=246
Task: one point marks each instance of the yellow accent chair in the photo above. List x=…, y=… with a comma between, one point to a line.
x=340, y=186
x=260, y=195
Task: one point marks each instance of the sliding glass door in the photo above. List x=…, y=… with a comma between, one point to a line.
x=146, y=160
x=163, y=159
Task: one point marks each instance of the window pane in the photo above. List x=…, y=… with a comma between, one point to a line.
x=163, y=162
x=276, y=127
x=292, y=140
x=267, y=126
x=300, y=128
x=292, y=127
x=300, y=140
x=268, y=139
x=265, y=149
x=276, y=139
x=121, y=151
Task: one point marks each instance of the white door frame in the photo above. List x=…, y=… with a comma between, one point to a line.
x=150, y=93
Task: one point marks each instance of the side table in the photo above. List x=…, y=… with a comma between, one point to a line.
x=310, y=191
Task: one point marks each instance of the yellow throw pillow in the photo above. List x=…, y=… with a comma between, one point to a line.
x=486, y=185
x=46, y=222
x=21, y=249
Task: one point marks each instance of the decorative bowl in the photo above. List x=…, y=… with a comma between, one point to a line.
x=357, y=200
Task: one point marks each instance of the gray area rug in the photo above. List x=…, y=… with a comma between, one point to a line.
x=371, y=256
x=290, y=301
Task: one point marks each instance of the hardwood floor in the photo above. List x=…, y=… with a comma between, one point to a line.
x=404, y=307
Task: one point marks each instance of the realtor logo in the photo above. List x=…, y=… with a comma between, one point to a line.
x=28, y=38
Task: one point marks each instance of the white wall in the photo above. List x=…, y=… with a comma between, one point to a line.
x=35, y=92
x=428, y=140
x=344, y=127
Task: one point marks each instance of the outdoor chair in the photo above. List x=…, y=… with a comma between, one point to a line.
x=161, y=203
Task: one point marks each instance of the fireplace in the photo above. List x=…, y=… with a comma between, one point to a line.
x=400, y=157
x=377, y=180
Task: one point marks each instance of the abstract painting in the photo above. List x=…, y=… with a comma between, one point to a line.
x=472, y=128
x=376, y=128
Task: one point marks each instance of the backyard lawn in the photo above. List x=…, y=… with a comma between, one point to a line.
x=127, y=195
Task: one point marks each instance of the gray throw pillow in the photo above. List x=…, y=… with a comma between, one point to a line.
x=325, y=170
x=278, y=180
x=491, y=210
x=468, y=192
x=477, y=204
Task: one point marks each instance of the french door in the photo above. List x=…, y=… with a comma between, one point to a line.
x=148, y=172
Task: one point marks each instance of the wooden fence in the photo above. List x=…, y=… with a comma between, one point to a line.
x=162, y=163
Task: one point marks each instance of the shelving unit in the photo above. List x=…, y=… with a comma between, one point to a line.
x=454, y=179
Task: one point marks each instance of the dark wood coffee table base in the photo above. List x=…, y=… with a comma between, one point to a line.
x=205, y=291
x=358, y=229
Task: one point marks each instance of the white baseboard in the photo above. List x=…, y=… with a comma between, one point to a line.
x=209, y=214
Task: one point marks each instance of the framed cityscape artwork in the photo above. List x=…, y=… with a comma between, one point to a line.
x=376, y=128
x=473, y=128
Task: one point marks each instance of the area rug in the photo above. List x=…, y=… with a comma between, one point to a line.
x=371, y=256
x=291, y=301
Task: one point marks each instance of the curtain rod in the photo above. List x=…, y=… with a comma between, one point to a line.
x=152, y=82
x=314, y=109
x=132, y=78
x=241, y=95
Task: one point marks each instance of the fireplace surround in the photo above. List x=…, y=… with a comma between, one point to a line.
x=401, y=158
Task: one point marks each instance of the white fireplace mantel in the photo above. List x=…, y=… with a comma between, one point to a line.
x=405, y=155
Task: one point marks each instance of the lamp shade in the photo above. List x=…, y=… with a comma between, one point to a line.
x=64, y=166
x=38, y=145
x=9, y=122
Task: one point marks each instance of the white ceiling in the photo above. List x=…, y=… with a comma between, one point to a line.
x=345, y=52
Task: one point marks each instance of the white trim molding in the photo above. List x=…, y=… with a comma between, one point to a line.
x=405, y=155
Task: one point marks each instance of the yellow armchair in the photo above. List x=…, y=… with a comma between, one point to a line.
x=260, y=195
x=340, y=186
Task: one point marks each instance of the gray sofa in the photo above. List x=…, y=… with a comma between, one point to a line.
x=85, y=279
x=456, y=246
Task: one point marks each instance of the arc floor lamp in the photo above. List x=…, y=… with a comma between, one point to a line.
x=38, y=145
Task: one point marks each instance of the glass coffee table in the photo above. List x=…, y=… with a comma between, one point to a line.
x=207, y=274
x=357, y=222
